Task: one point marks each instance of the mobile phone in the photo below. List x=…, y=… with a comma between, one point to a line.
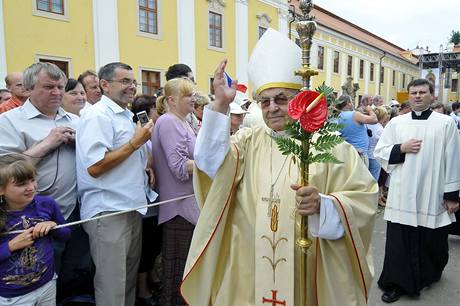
x=142, y=117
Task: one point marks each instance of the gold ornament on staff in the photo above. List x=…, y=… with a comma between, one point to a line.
x=306, y=27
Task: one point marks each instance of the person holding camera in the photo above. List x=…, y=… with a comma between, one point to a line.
x=354, y=130
x=110, y=156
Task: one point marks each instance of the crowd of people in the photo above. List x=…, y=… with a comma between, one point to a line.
x=91, y=149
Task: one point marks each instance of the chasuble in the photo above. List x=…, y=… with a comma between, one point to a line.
x=242, y=251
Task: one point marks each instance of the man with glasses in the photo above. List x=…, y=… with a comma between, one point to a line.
x=243, y=247
x=111, y=167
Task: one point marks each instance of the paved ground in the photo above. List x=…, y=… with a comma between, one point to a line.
x=444, y=293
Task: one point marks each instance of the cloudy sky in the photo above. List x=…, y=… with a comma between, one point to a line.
x=406, y=23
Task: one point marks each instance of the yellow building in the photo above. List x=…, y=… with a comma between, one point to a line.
x=151, y=35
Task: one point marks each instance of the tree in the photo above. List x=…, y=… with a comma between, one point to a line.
x=455, y=37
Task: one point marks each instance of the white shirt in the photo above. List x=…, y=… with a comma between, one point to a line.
x=106, y=128
x=211, y=147
x=377, y=130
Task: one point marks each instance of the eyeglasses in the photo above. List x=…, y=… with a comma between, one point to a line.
x=279, y=100
x=125, y=82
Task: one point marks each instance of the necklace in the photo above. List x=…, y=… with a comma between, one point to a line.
x=273, y=199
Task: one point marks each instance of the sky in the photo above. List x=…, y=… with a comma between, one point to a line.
x=406, y=23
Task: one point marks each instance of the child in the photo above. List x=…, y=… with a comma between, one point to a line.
x=26, y=260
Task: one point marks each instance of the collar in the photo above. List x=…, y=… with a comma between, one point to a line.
x=117, y=109
x=421, y=115
x=31, y=111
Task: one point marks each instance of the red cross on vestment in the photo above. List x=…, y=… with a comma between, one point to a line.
x=274, y=301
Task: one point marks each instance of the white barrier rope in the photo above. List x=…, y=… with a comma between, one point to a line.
x=105, y=216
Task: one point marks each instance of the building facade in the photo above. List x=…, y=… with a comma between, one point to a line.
x=151, y=35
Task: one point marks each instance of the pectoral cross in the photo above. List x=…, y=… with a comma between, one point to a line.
x=274, y=300
x=272, y=199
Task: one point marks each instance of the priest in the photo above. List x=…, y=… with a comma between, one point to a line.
x=243, y=247
x=420, y=151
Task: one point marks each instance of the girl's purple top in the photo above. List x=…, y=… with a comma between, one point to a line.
x=173, y=142
x=28, y=269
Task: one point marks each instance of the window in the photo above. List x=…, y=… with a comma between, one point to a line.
x=148, y=16
x=393, y=82
x=361, y=69
x=404, y=80
x=454, y=85
x=263, y=23
x=382, y=74
x=215, y=30
x=63, y=65
x=150, y=82
x=261, y=31
x=371, y=76
x=350, y=65
x=51, y=6
x=320, y=57
x=336, y=61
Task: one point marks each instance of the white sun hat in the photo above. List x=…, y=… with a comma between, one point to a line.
x=273, y=62
x=236, y=109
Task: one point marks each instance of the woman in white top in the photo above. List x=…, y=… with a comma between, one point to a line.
x=376, y=129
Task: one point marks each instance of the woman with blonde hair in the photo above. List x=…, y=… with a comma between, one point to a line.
x=173, y=142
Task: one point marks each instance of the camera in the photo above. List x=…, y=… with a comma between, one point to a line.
x=142, y=117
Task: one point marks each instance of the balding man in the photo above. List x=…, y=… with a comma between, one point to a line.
x=19, y=94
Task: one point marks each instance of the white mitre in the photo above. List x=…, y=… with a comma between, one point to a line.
x=273, y=62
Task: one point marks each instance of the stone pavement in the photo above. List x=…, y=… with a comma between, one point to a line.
x=444, y=293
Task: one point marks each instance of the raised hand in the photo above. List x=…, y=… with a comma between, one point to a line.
x=224, y=94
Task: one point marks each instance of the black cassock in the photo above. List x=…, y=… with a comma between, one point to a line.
x=414, y=256
x=454, y=228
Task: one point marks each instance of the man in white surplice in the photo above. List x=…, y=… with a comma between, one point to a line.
x=421, y=152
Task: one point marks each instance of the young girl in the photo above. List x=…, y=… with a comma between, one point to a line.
x=26, y=259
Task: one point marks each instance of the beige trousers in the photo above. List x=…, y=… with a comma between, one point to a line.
x=115, y=244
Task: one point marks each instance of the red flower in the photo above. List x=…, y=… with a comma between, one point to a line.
x=314, y=119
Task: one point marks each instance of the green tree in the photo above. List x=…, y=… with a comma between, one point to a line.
x=455, y=37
